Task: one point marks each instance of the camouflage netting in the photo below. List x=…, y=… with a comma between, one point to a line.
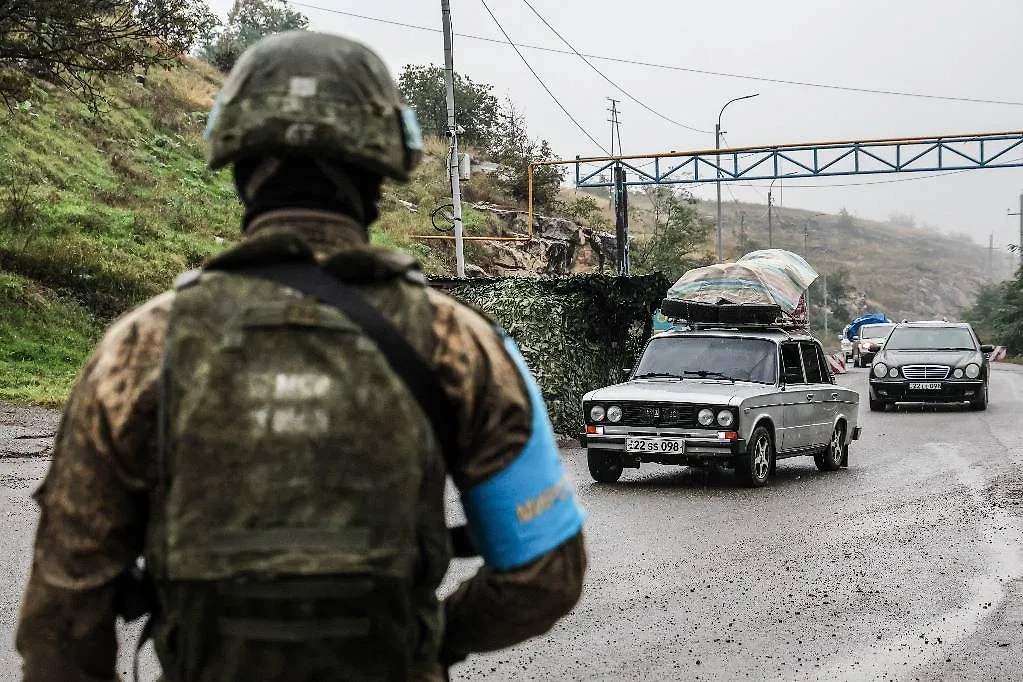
x=576, y=333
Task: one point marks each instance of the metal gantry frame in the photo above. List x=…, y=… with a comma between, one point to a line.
x=810, y=160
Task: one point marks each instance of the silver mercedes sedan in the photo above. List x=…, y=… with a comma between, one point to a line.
x=740, y=397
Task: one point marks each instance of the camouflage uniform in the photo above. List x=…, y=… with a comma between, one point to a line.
x=95, y=501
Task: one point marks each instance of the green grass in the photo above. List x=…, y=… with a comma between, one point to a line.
x=44, y=339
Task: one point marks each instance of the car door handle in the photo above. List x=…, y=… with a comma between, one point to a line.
x=809, y=396
x=834, y=396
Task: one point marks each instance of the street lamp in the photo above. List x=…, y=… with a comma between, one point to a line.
x=717, y=146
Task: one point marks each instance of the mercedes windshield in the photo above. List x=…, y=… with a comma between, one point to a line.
x=931, y=338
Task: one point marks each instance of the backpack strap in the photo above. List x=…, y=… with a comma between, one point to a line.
x=404, y=359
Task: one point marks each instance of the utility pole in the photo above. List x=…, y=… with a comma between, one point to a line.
x=990, y=255
x=717, y=161
x=827, y=308
x=456, y=190
x=620, y=194
x=770, y=227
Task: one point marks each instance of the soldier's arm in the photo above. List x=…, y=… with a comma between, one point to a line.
x=92, y=505
x=521, y=509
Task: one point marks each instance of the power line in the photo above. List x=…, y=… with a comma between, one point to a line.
x=602, y=75
x=704, y=72
x=540, y=80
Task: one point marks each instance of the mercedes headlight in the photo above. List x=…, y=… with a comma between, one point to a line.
x=614, y=414
x=705, y=417
x=726, y=418
x=893, y=372
x=973, y=370
x=880, y=369
x=597, y=413
x=958, y=373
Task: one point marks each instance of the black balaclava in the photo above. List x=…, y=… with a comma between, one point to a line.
x=270, y=183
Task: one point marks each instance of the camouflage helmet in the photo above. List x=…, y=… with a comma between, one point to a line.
x=306, y=93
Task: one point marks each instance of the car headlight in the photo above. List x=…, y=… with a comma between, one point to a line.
x=973, y=370
x=726, y=418
x=880, y=369
x=597, y=413
x=705, y=417
x=614, y=414
x=958, y=373
x=893, y=372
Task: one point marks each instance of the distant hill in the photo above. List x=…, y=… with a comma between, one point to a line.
x=907, y=272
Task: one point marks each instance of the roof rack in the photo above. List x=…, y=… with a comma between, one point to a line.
x=730, y=315
x=787, y=328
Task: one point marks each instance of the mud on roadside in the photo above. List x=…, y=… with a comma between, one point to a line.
x=27, y=431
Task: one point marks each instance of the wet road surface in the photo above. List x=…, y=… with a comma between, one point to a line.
x=908, y=565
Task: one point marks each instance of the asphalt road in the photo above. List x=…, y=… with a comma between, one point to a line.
x=908, y=565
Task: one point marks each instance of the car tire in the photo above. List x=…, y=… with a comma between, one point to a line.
x=980, y=404
x=754, y=467
x=877, y=405
x=832, y=457
x=604, y=467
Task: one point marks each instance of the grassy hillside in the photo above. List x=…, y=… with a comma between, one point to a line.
x=100, y=211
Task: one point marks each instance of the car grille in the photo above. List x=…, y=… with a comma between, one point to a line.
x=925, y=372
x=658, y=414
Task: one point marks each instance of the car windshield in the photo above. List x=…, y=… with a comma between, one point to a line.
x=875, y=331
x=712, y=357
x=931, y=338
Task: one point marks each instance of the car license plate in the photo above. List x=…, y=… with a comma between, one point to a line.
x=658, y=445
x=929, y=386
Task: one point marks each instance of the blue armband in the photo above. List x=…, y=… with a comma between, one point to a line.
x=529, y=507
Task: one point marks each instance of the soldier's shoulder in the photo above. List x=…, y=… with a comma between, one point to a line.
x=145, y=323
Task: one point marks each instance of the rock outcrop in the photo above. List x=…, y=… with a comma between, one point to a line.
x=558, y=247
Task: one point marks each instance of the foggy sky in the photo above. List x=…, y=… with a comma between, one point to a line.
x=946, y=47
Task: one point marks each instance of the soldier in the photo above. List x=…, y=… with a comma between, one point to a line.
x=272, y=436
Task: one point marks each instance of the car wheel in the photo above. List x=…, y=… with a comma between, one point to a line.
x=755, y=466
x=604, y=467
x=831, y=458
x=980, y=404
x=877, y=405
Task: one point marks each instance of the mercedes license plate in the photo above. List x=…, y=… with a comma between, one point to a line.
x=654, y=444
x=928, y=386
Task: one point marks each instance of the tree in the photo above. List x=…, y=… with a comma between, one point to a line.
x=477, y=111
x=839, y=296
x=73, y=43
x=678, y=233
x=247, y=22
x=514, y=150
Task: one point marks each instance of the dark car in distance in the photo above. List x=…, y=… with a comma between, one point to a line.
x=930, y=362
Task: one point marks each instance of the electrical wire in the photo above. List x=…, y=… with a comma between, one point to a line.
x=604, y=76
x=540, y=80
x=669, y=67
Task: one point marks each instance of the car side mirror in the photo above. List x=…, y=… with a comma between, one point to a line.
x=874, y=347
x=987, y=348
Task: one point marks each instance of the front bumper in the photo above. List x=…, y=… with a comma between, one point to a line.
x=897, y=390
x=699, y=450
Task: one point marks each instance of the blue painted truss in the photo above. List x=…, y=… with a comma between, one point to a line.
x=816, y=160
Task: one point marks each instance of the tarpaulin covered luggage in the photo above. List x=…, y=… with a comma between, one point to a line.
x=870, y=318
x=766, y=277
